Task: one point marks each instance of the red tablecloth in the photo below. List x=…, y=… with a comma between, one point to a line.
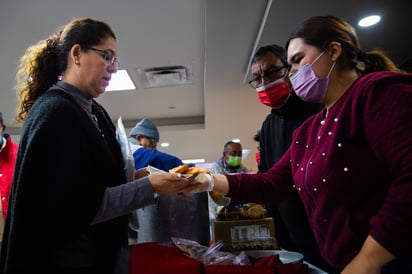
x=153, y=258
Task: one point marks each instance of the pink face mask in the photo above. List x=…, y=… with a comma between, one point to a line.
x=274, y=94
x=308, y=86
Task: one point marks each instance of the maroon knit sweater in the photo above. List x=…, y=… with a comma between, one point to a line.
x=352, y=170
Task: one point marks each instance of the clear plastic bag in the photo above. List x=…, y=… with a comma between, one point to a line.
x=127, y=154
x=210, y=255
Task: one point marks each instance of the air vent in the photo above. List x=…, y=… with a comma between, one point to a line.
x=165, y=76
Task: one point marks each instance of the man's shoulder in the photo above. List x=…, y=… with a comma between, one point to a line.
x=218, y=167
x=244, y=169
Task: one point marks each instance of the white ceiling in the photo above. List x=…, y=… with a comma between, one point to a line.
x=215, y=37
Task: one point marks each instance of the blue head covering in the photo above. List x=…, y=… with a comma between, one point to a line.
x=145, y=128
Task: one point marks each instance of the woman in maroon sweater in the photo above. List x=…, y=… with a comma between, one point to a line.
x=351, y=164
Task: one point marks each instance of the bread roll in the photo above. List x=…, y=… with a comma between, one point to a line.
x=193, y=170
x=256, y=211
x=180, y=169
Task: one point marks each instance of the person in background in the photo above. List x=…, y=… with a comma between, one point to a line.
x=8, y=152
x=256, y=138
x=143, y=141
x=351, y=163
x=169, y=216
x=269, y=69
x=231, y=160
x=70, y=201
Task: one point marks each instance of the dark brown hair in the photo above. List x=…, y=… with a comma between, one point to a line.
x=43, y=63
x=320, y=31
x=275, y=49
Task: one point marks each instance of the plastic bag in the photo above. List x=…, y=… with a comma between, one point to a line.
x=127, y=154
x=210, y=255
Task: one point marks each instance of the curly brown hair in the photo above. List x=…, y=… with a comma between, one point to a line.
x=43, y=63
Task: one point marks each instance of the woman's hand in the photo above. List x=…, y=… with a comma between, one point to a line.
x=208, y=182
x=360, y=266
x=203, y=182
x=168, y=183
x=370, y=259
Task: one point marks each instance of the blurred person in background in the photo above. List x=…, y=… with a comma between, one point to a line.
x=143, y=141
x=256, y=138
x=229, y=162
x=8, y=152
x=169, y=216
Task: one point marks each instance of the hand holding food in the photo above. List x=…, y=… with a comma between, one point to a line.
x=202, y=182
x=185, y=169
x=179, y=169
x=167, y=183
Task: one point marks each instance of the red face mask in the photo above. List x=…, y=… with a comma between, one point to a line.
x=274, y=94
x=257, y=156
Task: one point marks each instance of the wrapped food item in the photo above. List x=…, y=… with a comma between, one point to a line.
x=256, y=211
x=264, y=244
x=210, y=255
x=233, y=212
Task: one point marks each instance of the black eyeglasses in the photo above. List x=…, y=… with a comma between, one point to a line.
x=269, y=76
x=108, y=57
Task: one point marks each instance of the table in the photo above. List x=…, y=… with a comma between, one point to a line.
x=154, y=258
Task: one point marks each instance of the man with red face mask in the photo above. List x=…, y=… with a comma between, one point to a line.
x=269, y=69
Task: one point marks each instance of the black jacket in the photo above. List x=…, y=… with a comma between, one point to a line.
x=63, y=166
x=292, y=228
x=277, y=129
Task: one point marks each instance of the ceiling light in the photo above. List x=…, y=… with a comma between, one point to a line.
x=236, y=140
x=164, y=144
x=120, y=81
x=193, y=161
x=369, y=21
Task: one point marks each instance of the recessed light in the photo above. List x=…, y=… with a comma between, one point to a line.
x=164, y=144
x=369, y=21
x=120, y=81
x=193, y=161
